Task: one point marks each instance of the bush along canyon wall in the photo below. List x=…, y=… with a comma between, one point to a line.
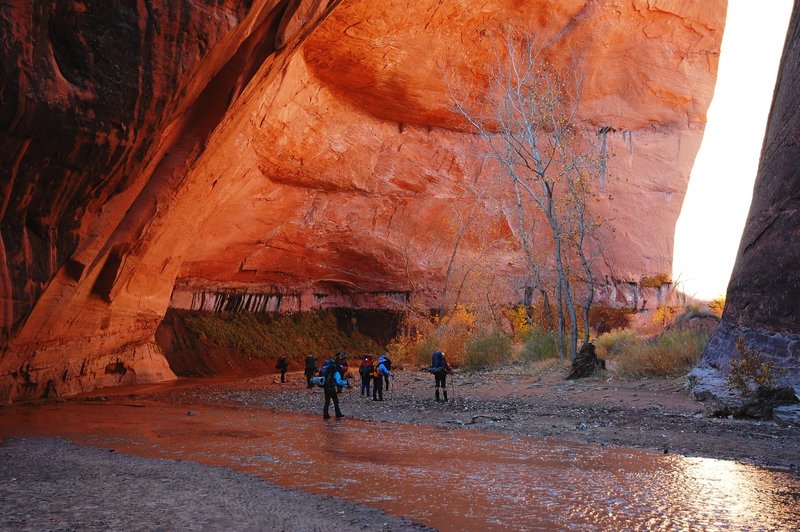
x=304, y=152
x=762, y=311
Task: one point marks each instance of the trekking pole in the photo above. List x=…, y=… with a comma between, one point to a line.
x=453, y=384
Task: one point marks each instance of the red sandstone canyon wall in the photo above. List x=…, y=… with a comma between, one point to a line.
x=370, y=163
x=177, y=151
x=107, y=108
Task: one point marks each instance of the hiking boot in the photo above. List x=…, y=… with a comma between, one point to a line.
x=326, y=416
x=445, y=396
x=338, y=416
x=437, y=395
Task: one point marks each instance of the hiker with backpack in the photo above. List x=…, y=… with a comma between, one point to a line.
x=282, y=365
x=332, y=372
x=310, y=370
x=381, y=371
x=388, y=363
x=341, y=357
x=365, y=371
x=440, y=368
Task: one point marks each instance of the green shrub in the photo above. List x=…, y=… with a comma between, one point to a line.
x=612, y=344
x=487, y=350
x=751, y=370
x=692, y=309
x=540, y=345
x=669, y=354
x=425, y=348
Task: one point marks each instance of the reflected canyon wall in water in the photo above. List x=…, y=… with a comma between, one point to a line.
x=444, y=478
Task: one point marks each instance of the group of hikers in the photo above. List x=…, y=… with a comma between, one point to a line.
x=374, y=375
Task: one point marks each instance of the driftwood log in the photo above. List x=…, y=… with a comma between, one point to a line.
x=586, y=363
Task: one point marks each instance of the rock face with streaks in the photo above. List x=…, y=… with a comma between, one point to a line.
x=762, y=307
x=221, y=154
x=109, y=113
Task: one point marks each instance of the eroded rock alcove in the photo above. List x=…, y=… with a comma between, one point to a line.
x=302, y=151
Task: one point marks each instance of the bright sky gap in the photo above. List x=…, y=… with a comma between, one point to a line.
x=721, y=184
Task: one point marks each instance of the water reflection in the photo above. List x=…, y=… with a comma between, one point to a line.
x=449, y=479
x=740, y=492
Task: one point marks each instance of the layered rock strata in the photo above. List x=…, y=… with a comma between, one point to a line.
x=762, y=309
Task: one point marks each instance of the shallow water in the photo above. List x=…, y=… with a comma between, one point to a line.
x=446, y=478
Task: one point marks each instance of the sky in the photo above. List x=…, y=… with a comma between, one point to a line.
x=721, y=183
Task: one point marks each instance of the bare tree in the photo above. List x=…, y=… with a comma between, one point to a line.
x=528, y=120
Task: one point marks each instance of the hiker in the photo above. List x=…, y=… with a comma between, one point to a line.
x=332, y=373
x=380, y=372
x=440, y=368
x=365, y=371
x=341, y=358
x=388, y=363
x=311, y=369
x=282, y=366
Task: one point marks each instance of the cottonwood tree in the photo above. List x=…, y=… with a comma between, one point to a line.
x=528, y=121
x=469, y=275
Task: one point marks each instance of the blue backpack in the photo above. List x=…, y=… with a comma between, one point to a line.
x=327, y=369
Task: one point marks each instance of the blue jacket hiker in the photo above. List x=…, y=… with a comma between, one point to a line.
x=381, y=372
x=332, y=372
x=388, y=363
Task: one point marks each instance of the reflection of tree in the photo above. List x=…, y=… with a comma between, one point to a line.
x=528, y=121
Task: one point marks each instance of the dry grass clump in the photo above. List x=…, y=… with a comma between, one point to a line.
x=614, y=343
x=670, y=354
x=267, y=336
x=530, y=368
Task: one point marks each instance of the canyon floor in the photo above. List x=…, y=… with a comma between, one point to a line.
x=656, y=414
x=92, y=483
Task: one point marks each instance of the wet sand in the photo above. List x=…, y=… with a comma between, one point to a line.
x=51, y=484
x=655, y=414
x=160, y=460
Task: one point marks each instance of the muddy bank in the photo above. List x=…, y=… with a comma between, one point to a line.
x=656, y=414
x=49, y=484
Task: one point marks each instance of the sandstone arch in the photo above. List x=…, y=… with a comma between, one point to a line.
x=153, y=152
